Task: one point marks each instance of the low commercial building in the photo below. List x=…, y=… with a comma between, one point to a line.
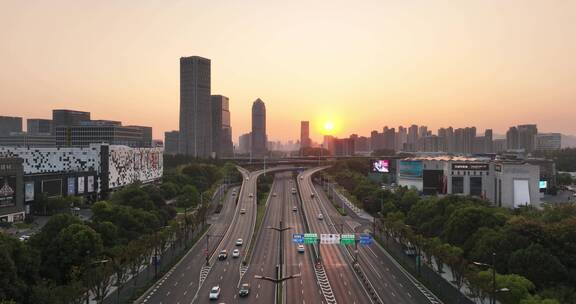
x=90, y=172
x=33, y=140
x=103, y=131
x=505, y=183
x=11, y=200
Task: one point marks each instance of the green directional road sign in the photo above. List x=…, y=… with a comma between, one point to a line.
x=347, y=239
x=310, y=238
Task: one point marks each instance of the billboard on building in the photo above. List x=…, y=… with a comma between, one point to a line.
x=543, y=184
x=90, y=187
x=410, y=169
x=7, y=190
x=80, y=184
x=52, y=187
x=71, y=186
x=381, y=166
x=29, y=191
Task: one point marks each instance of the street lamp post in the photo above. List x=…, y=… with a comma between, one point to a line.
x=493, y=266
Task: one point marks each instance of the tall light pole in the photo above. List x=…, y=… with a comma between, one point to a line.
x=493, y=266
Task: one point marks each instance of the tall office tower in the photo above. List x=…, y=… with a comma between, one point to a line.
x=305, y=134
x=512, y=141
x=171, y=142
x=412, y=137
x=401, y=138
x=526, y=135
x=10, y=124
x=488, y=141
x=422, y=131
x=244, y=143
x=195, y=107
x=221, y=127
x=39, y=126
x=259, y=139
x=68, y=118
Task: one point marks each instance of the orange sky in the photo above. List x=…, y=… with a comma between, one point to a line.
x=363, y=64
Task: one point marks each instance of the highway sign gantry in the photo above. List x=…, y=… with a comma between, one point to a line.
x=329, y=239
x=298, y=238
x=310, y=238
x=347, y=239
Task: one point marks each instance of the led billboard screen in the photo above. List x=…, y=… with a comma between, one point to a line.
x=381, y=166
x=410, y=169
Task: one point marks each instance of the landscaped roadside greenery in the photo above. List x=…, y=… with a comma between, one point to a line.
x=134, y=226
x=535, y=249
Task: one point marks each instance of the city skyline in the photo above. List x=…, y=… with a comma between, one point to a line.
x=477, y=63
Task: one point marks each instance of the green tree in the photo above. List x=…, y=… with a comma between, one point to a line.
x=538, y=265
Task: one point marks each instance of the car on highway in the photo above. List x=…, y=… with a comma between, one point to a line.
x=24, y=238
x=250, y=195
x=239, y=242
x=301, y=177
x=300, y=248
x=223, y=255
x=320, y=216
x=312, y=195
x=294, y=208
x=244, y=290
x=274, y=194
x=236, y=253
x=293, y=190
x=215, y=293
x=242, y=211
x=247, y=178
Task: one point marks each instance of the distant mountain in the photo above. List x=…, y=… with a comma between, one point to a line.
x=568, y=141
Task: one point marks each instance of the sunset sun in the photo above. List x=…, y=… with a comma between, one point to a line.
x=328, y=127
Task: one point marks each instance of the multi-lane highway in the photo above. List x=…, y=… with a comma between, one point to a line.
x=390, y=282
x=332, y=281
x=343, y=281
x=180, y=284
x=303, y=290
x=226, y=273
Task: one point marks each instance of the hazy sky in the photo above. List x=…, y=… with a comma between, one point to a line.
x=362, y=64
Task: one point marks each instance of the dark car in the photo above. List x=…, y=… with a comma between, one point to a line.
x=244, y=290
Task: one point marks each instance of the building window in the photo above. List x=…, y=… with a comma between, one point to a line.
x=457, y=185
x=476, y=186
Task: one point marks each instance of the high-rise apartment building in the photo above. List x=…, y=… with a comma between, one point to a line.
x=221, y=127
x=244, y=143
x=259, y=139
x=195, y=107
x=488, y=141
x=171, y=139
x=512, y=142
x=10, y=124
x=401, y=138
x=526, y=135
x=39, y=126
x=305, y=134
x=412, y=139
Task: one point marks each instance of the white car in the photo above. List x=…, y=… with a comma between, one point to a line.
x=215, y=293
x=320, y=216
x=24, y=238
x=301, y=248
x=247, y=178
x=250, y=195
x=239, y=242
x=293, y=190
x=294, y=208
x=274, y=194
x=242, y=211
x=236, y=253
